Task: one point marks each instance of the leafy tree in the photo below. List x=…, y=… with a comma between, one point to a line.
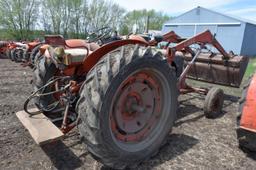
x=56, y=12
x=72, y=18
x=79, y=9
x=19, y=17
x=140, y=18
x=103, y=13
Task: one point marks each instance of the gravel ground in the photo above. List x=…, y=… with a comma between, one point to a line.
x=194, y=143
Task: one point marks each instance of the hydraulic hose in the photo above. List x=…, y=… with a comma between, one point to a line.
x=37, y=94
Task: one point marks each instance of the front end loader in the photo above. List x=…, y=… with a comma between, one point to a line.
x=123, y=95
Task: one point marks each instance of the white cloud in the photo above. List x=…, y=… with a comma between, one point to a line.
x=243, y=11
x=176, y=7
x=172, y=6
x=247, y=13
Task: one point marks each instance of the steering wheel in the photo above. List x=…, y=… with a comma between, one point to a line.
x=100, y=34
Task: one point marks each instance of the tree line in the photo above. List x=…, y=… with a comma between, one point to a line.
x=28, y=19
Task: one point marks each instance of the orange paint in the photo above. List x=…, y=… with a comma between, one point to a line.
x=248, y=119
x=94, y=57
x=32, y=45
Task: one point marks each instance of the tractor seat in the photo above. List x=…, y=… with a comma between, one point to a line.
x=76, y=55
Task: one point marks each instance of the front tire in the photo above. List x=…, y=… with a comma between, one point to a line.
x=43, y=72
x=127, y=106
x=33, y=54
x=17, y=54
x=213, y=103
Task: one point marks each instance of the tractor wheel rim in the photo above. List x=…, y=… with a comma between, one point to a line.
x=137, y=107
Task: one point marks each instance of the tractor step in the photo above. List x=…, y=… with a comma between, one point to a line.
x=41, y=129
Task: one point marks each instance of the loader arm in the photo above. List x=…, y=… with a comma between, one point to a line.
x=201, y=39
x=207, y=71
x=170, y=37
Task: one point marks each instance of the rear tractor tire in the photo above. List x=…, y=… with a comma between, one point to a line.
x=17, y=55
x=214, y=103
x=127, y=106
x=34, y=53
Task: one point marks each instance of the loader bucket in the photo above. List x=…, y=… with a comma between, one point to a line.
x=213, y=69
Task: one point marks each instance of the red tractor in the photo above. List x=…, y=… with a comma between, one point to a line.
x=3, y=49
x=16, y=51
x=123, y=94
x=246, y=131
x=32, y=52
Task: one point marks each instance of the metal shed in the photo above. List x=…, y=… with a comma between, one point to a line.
x=237, y=35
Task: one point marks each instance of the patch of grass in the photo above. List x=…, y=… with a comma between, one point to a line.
x=250, y=68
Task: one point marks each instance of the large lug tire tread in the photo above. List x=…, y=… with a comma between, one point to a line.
x=34, y=53
x=20, y=54
x=17, y=55
x=25, y=57
x=246, y=139
x=13, y=55
x=210, y=110
x=42, y=73
x=8, y=54
x=93, y=94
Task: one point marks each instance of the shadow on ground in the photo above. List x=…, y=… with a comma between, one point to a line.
x=3, y=56
x=252, y=155
x=63, y=158
x=176, y=145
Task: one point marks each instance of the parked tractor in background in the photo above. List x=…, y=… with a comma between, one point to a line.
x=31, y=51
x=246, y=131
x=36, y=48
x=3, y=49
x=123, y=93
x=16, y=51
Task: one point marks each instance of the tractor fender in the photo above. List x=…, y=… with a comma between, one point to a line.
x=248, y=117
x=43, y=48
x=95, y=56
x=32, y=45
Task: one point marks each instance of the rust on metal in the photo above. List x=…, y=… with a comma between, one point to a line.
x=136, y=108
x=248, y=119
x=94, y=57
x=214, y=69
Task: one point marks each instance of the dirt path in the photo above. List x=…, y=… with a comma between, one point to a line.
x=195, y=142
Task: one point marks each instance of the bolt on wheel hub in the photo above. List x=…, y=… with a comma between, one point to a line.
x=136, y=108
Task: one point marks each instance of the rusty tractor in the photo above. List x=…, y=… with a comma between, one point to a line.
x=122, y=94
x=3, y=49
x=36, y=49
x=246, y=120
x=17, y=52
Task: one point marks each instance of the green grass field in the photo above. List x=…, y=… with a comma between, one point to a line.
x=250, y=68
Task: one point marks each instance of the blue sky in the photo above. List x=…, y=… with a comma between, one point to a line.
x=240, y=8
